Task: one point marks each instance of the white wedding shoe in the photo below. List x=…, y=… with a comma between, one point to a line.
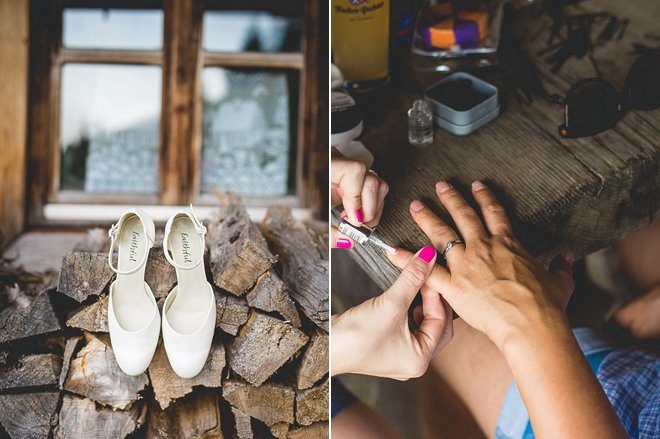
x=189, y=309
x=133, y=318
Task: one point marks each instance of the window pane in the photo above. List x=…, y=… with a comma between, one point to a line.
x=109, y=120
x=259, y=31
x=247, y=134
x=139, y=29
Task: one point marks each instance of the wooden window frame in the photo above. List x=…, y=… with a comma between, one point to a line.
x=182, y=59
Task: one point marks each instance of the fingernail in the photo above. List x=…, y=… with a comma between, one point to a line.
x=427, y=254
x=477, y=186
x=416, y=206
x=358, y=215
x=442, y=186
x=344, y=243
x=569, y=258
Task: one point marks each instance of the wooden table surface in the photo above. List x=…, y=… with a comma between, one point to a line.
x=577, y=194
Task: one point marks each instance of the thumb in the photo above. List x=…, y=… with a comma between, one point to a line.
x=412, y=277
x=562, y=268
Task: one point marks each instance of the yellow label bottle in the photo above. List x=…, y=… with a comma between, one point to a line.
x=360, y=40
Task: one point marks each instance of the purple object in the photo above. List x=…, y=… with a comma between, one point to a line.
x=467, y=33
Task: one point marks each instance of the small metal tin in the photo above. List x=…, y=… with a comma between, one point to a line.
x=462, y=118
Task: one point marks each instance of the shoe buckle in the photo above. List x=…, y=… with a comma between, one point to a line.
x=114, y=231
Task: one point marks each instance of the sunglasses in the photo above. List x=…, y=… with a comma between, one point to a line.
x=593, y=105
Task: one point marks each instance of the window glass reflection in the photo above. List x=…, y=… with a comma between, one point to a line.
x=246, y=131
x=109, y=121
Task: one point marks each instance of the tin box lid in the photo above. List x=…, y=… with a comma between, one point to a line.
x=346, y=122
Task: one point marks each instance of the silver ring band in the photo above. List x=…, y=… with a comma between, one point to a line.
x=372, y=172
x=449, y=246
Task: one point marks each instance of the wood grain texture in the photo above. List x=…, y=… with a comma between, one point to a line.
x=242, y=425
x=196, y=416
x=576, y=195
x=238, y=251
x=32, y=371
x=36, y=319
x=262, y=346
x=304, y=269
x=312, y=405
x=84, y=274
x=91, y=318
x=70, y=350
x=270, y=402
x=271, y=295
x=14, y=40
x=314, y=362
x=168, y=386
x=82, y=418
x=318, y=430
x=159, y=274
x=28, y=415
x=95, y=374
x=231, y=312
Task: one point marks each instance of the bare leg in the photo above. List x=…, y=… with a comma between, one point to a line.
x=359, y=421
x=476, y=371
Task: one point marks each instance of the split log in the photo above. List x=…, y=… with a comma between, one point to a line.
x=36, y=319
x=159, y=274
x=270, y=294
x=312, y=404
x=270, y=402
x=314, y=361
x=262, y=346
x=84, y=274
x=231, y=312
x=28, y=415
x=239, y=253
x=69, y=350
x=32, y=371
x=82, y=418
x=318, y=430
x=305, y=270
x=195, y=416
x=168, y=386
x=4, y=357
x=280, y=430
x=95, y=374
x=91, y=318
x=242, y=425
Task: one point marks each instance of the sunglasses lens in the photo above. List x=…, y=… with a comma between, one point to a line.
x=643, y=83
x=591, y=106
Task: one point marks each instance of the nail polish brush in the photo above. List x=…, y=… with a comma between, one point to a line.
x=362, y=235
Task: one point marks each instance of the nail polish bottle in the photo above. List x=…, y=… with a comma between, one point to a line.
x=420, y=123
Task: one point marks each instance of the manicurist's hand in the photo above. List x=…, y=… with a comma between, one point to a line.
x=497, y=287
x=374, y=338
x=360, y=191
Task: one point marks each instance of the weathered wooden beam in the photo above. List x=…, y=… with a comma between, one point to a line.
x=231, y=312
x=32, y=371
x=36, y=319
x=159, y=274
x=28, y=415
x=168, y=386
x=270, y=402
x=82, y=418
x=270, y=294
x=195, y=416
x=84, y=274
x=312, y=405
x=262, y=346
x=238, y=251
x=95, y=374
x=318, y=430
x=305, y=269
x=314, y=362
x=91, y=318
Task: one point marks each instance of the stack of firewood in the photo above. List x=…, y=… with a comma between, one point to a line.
x=266, y=375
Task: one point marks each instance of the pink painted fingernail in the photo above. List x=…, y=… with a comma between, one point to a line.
x=358, y=215
x=427, y=254
x=477, y=186
x=416, y=206
x=442, y=186
x=344, y=243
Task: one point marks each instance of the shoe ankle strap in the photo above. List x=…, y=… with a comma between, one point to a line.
x=113, y=233
x=199, y=228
